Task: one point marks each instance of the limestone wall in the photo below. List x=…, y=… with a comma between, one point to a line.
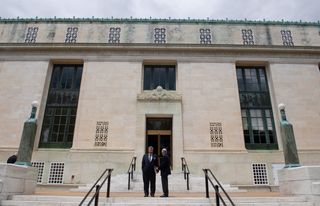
x=184, y=32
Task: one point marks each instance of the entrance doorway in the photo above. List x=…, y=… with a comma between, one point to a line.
x=159, y=135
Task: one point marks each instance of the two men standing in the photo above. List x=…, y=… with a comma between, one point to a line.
x=150, y=167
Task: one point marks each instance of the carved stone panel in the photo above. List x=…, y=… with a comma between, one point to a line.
x=216, y=136
x=114, y=35
x=31, y=35
x=160, y=35
x=287, y=38
x=247, y=36
x=205, y=36
x=71, y=36
x=159, y=94
x=101, y=136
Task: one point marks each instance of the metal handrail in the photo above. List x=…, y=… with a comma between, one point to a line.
x=132, y=167
x=216, y=188
x=186, y=171
x=95, y=197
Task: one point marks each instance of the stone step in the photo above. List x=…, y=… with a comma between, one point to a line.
x=177, y=183
x=37, y=200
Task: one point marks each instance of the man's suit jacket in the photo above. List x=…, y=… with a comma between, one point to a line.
x=148, y=167
x=165, y=166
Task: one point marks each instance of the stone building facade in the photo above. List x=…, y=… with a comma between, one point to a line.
x=207, y=90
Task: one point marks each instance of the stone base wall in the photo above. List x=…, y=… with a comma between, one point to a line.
x=16, y=179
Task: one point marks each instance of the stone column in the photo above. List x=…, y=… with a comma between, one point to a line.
x=28, y=137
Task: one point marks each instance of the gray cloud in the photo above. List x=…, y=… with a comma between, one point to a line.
x=306, y=10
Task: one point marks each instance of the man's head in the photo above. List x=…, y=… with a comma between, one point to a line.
x=164, y=151
x=150, y=150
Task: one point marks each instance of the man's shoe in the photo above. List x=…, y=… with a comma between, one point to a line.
x=146, y=195
x=164, y=196
x=152, y=195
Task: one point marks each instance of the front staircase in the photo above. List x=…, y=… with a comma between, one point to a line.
x=41, y=200
x=176, y=184
x=179, y=193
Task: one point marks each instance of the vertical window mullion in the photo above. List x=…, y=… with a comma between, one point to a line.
x=258, y=79
x=65, y=135
x=166, y=81
x=250, y=126
x=152, y=83
x=265, y=126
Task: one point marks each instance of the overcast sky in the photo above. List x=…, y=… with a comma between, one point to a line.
x=306, y=10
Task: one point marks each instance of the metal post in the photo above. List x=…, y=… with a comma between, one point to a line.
x=206, y=180
x=96, y=198
x=217, y=195
x=108, y=188
x=181, y=163
x=132, y=173
x=128, y=180
x=187, y=181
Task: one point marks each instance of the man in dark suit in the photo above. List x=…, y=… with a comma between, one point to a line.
x=149, y=167
x=165, y=171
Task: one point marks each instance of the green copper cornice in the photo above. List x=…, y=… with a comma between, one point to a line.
x=155, y=21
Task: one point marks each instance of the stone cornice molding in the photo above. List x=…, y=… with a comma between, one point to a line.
x=156, y=21
x=159, y=94
x=151, y=47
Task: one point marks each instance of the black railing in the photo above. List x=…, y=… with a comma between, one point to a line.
x=132, y=168
x=207, y=173
x=95, y=197
x=186, y=172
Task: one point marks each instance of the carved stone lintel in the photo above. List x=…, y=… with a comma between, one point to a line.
x=159, y=94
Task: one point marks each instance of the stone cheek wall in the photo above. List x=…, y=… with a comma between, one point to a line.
x=159, y=32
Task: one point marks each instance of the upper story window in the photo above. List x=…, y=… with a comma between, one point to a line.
x=159, y=75
x=61, y=109
x=256, y=111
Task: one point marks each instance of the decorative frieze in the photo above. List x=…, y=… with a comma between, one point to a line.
x=287, y=37
x=31, y=35
x=216, y=135
x=247, y=37
x=71, y=36
x=114, y=35
x=205, y=36
x=101, y=136
x=160, y=35
x=159, y=94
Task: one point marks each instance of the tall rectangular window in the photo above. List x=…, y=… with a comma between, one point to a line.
x=159, y=75
x=61, y=109
x=256, y=110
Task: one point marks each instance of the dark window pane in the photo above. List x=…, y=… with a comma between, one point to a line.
x=78, y=78
x=172, y=78
x=163, y=76
x=67, y=76
x=61, y=106
x=256, y=111
x=55, y=78
x=147, y=78
x=159, y=124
